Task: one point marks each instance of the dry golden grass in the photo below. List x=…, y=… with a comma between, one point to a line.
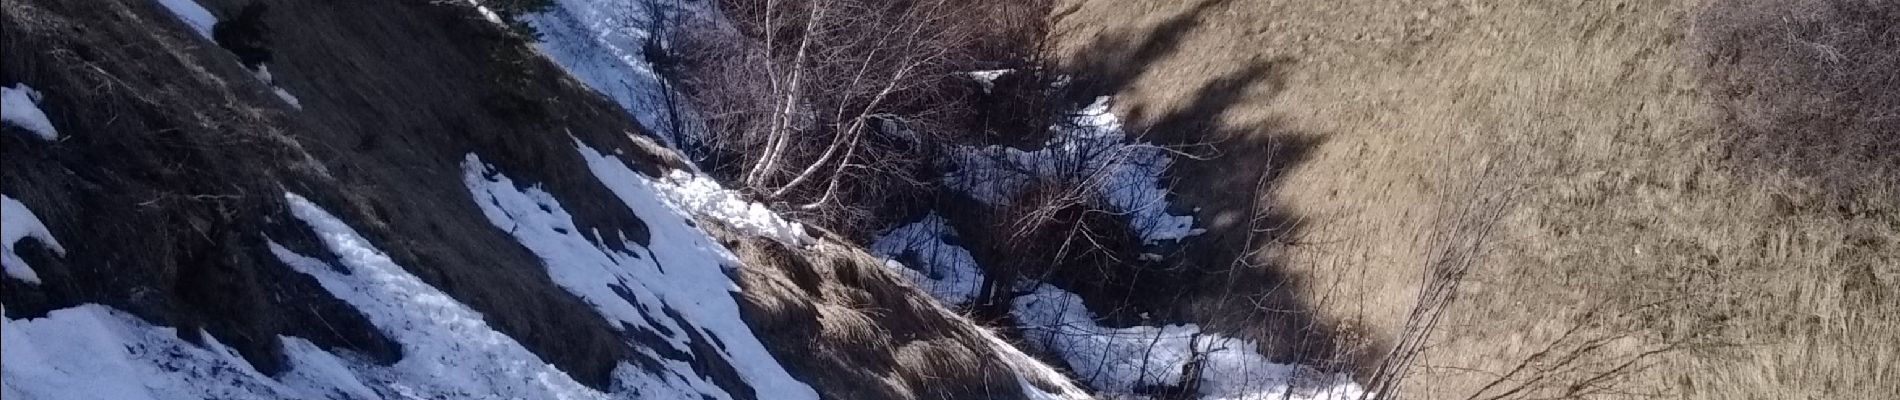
x=1638, y=258
x=843, y=322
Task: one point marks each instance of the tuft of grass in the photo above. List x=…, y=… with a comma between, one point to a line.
x=840, y=321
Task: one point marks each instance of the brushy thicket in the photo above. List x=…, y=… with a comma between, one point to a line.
x=1064, y=233
x=871, y=94
x=836, y=110
x=1809, y=86
x=841, y=111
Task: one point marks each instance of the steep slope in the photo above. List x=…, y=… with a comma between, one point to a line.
x=617, y=47
x=409, y=201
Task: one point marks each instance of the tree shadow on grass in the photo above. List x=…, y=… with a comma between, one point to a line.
x=1111, y=61
x=1226, y=279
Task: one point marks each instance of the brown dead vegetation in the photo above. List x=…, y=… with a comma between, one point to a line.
x=1058, y=231
x=838, y=109
x=854, y=330
x=1807, y=86
x=1061, y=232
x=1674, y=233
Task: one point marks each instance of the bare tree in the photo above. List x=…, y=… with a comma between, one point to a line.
x=838, y=107
x=830, y=69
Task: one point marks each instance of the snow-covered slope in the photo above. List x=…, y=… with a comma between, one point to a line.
x=674, y=289
x=95, y=352
x=604, y=44
x=191, y=237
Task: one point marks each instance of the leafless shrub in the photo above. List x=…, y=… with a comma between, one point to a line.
x=1061, y=232
x=839, y=106
x=843, y=107
x=1458, y=242
x=1602, y=353
x=840, y=320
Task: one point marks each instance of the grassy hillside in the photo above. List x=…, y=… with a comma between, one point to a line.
x=1696, y=207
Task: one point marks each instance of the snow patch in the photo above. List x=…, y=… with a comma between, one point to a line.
x=681, y=271
x=194, y=15
x=1091, y=149
x=286, y=97
x=18, y=223
x=604, y=44
x=1117, y=360
x=20, y=106
x=319, y=371
x=92, y=352
x=449, y=351
x=201, y=20
x=943, y=268
x=987, y=78
x=263, y=74
x=489, y=14
x=1027, y=367
x=692, y=194
x=1128, y=360
x=703, y=196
